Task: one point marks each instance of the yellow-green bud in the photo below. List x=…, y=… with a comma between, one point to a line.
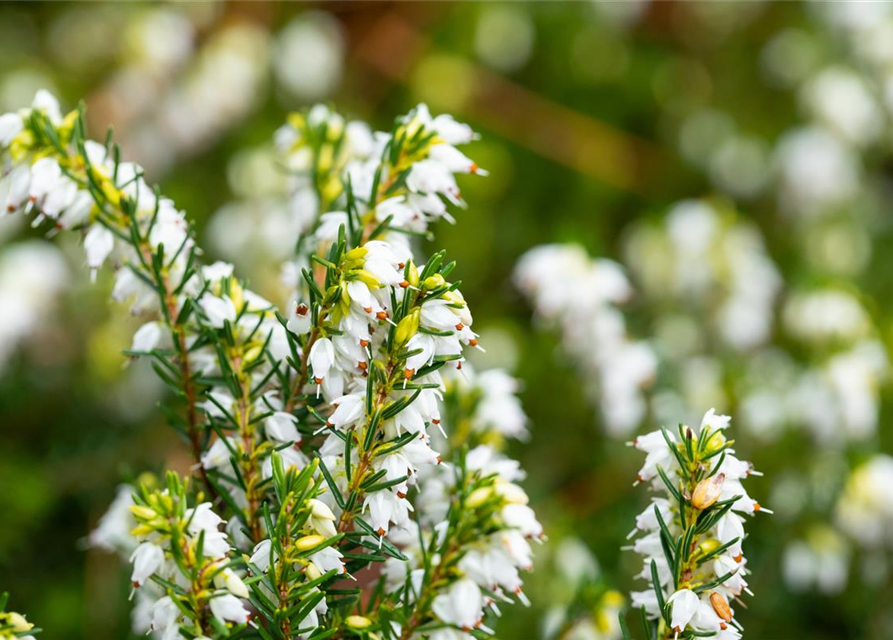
x=312, y=572
x=413, y=277
x=358, y=622
x=252, y=353
x=142, y=512
x=357, y=253
x=709, y=546
x=433, y=282
x=18, y=622
x=367, y=278
x=308, y=542
x=716, y=441
x=296, y=120
x=407, y=327
x=478, y=497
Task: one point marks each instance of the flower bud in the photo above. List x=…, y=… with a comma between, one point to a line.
x=407, y=327
x=140, y=511
x=708, y=546
x=413, y=274
x=357, y=253
x=707, y=492
x=357, y=622
x=312, y=572
x=308, y=542
x=478, y=497
x=367, y=278
x=715, y=442
x=433, y=282
x=511, y=493
x=721, y=607
x=18, y=622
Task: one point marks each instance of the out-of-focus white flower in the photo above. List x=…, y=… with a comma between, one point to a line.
x=504, y=37
x=825, y=315
x=580, y=295
x=816, y=172
x=308, y=56
x=840, y=99
x=820, y=562
x=865, y=507
x=113, y=531
x=32, y=276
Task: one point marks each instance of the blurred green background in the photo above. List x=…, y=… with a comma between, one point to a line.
x=595, y=119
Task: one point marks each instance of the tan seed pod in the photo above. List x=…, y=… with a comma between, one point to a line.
x=707, y=492
x=721, y=607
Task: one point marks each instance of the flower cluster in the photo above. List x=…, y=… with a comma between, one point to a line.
x=14, y=626
x=692, y=535
x=316, y=435
x=582, y=296
x=183, y=550
x=474, y=528
x=582, y=604
x=865, y=511
x=703, y=256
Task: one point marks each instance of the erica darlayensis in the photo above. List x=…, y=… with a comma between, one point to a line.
x=690, y=537
x=347, y=479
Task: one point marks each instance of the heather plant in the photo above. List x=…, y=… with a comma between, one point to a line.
x=347, y=478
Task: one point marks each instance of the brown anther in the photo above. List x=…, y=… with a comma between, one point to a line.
x=404, y=284
x=364, y=343
x=438, y=460
x=367, y=309
x=739, y=557
x=10, y=208
x=136, y=585
x=409, y=373
x=301, y=310
x=381, y=531
x=474, y=167
x=381, y=315
x=473, y=342
x=756, y=507
x=401, y=264
x=33, y=198
x=458, y=365
x=329, y=424
x=459, y=326
x=363, y=365
x=435, y=420
x=401, y=495
x=318, y=380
